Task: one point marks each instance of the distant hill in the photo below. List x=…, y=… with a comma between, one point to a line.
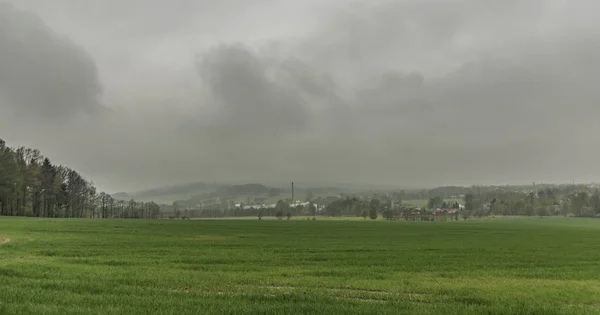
x=199, y=191
x=168, y=194
x=246, y=189
x=175, y=189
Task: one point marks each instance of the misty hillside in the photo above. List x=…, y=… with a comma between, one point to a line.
x=200, y=191
x=167, y=194
x=239, y=192
x=246, y=189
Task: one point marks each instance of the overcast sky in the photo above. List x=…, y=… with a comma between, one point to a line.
x=143, y=93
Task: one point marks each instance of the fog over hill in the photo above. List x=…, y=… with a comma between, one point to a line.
x=142, y=94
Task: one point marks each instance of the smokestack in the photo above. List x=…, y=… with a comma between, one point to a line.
x=292, y=192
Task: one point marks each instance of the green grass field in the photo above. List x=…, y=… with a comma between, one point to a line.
x=496, y=266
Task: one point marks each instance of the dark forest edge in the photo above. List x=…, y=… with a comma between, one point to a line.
x=30, y=185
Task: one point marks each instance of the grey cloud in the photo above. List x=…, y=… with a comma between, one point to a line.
x=432, y=36
x=401, y=92
x=43, y=73
x=250, y=97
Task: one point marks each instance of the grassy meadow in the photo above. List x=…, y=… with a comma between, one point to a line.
x=495, y=266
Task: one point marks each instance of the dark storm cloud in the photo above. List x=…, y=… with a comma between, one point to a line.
x=402, y=92
x=43, y=74
x=250, y=98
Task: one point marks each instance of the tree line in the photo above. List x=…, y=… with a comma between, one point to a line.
x=282, y=209
x=30, y=185
x=573, y=200
x=478, y=202
x=566, y=200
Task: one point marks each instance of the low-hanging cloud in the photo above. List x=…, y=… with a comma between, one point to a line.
x=399, y=92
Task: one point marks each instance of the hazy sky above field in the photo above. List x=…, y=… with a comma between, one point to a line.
x=143, y=93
